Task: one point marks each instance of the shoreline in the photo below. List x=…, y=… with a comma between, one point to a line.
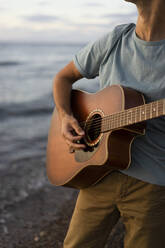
x=42, y=219
x=34, y=216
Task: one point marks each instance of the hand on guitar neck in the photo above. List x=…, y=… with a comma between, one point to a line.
x=72, y=133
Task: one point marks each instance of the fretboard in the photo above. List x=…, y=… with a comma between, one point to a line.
x=133, y=115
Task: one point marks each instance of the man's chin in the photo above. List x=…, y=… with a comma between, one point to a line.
x=131, y=1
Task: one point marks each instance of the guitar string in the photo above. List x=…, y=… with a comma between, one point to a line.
x=119, y=122
x=121, y=114
x=96, y=123
x=126, y=112
x=104, y=127
x=114, y=122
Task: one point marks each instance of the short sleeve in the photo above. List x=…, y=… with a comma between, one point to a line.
x=88, y=59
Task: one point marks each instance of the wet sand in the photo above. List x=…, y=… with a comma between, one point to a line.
x=41, y=220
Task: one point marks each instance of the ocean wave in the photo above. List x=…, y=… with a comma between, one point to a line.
x=37, y=107
x=23, y=112
x=9, y=63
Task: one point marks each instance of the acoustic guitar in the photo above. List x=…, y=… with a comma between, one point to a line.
x=111, y=118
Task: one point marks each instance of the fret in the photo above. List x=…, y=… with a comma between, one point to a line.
x=160, y=108
x=112, y=122
x=121, y=119
x=129, y=117
x=139, y=114
x=151, y=111
x=156, y=108
x=115, y=121
x=146, y=107
x=133, y=115
x=126, y=118
x=109, y=123
x=143, y=113
x=163, y=106
x=136, y=110
x=148, y=111
x=118, y=120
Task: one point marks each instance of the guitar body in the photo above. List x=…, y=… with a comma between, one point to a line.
x=106, y=151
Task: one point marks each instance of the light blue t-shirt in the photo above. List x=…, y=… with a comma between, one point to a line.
x=120, y=57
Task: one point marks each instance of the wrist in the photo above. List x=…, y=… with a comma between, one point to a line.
x=64, y=114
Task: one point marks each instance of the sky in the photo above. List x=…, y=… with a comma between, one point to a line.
x=62, y=20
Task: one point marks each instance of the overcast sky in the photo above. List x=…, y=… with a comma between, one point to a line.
x=61, y=20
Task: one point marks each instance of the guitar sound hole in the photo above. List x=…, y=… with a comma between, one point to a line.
x=93, y=129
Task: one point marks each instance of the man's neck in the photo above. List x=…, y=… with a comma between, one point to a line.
x=151, y=21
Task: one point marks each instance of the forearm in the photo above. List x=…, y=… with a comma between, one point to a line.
x=61, y=92
x=62, y=87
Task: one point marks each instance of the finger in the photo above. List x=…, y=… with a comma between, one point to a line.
x=69, y=135
x=77, y=128
x=75, y=145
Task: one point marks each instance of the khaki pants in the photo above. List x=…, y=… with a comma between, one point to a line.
x=141, y=206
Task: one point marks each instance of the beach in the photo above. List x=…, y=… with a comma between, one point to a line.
x=33, y=213
x=42, y=221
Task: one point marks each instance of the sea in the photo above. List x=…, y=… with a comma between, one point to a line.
x=26, y=104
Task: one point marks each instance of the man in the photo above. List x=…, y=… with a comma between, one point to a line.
x=136, y=60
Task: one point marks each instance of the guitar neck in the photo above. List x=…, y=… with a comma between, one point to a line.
x=133, y=115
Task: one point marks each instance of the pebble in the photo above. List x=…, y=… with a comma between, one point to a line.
x=5, y=229
x=42, y=234
x=36, y=239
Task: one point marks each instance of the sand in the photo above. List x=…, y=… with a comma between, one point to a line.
x=41, y=221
